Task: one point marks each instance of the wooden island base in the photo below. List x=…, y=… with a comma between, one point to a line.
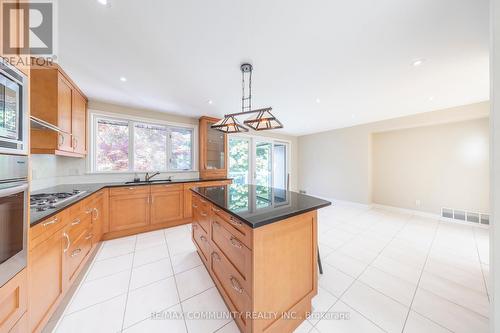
x=266, y=275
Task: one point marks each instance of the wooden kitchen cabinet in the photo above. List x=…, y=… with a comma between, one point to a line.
x=79, y=122
x=57, y=100
x=167, y=203
x=13, y=301
x=46, y=282
x=129, y=207
x=213, y=150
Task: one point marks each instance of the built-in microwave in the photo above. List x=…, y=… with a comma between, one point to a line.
x=13, y=110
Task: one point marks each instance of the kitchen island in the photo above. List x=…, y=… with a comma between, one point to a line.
x=259, y=245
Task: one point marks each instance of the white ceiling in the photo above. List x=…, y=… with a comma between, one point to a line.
x=354, y=56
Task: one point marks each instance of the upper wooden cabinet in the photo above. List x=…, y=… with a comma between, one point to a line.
x=57, y=100
x=213, y=150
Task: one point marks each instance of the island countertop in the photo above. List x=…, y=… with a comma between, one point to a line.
x=259, y=205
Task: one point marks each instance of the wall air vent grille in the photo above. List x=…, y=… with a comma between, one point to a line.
x=465, y=216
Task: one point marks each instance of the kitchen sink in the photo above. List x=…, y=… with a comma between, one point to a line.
x=149, y=181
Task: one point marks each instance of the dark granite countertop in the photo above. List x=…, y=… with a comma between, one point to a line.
x=89, y=189
x=259, y=205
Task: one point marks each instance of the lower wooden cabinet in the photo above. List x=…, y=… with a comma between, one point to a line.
x=167, y=203
x=13, y=301
x=47, y=283
x=129, y=208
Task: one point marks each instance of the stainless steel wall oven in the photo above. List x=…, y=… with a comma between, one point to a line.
x=14, y=199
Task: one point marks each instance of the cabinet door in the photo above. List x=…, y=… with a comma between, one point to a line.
x=64, y=114
x=97, y=219
x=79, y=122
x=13, y=301
x=46, y=278
x=166, y=206
x=76, y=255
x=128, y=211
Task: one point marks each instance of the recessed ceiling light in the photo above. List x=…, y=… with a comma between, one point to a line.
x=123, y=79
x=318, y=100
x=417, y=62
x=431, y=98
x=210, y=102
x=103, y=2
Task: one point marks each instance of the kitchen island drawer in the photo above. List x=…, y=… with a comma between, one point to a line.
x=230, y=283
x=235, y=226
x=200, y=238
x=236, y=252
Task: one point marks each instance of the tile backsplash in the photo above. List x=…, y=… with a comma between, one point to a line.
x=50, y=170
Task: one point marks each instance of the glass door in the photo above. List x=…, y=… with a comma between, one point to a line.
x=239, y=160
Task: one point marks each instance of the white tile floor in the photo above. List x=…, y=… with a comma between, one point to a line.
x=389, y=272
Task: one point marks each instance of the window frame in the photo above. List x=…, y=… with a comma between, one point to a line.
x=94, y=116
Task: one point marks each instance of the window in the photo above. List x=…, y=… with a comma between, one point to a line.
x=122, y=145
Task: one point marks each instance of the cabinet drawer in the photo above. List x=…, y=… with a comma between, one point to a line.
x=231, y=283
x=46, y=228
x=166, y=187
x=129, y=190
x=200, y=239
x=235, y=251
x=201, y=213
x=239, y=229
x=79, y=225
x=77, y=252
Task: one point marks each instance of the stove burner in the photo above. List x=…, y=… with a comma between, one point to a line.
x=44, y=201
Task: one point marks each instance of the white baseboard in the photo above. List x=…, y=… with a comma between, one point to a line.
x=429, y=215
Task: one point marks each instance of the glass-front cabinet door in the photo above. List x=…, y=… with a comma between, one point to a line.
x=213, y=150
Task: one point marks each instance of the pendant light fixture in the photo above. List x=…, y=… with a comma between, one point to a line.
x=263, y=120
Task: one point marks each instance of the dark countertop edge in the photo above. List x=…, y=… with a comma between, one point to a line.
x=268, y=221
x=99, y=187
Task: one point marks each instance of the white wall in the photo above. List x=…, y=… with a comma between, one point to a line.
x=495, y=168
x=445, y=165
x=49, y=170
x=338, y=164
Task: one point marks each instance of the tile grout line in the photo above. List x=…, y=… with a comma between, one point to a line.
x=175, y=281
x=481, y=266
x=357, y=278
x=420, y=277
x=128, y=287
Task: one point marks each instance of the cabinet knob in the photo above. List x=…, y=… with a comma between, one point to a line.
x=76, y=222
x=203, y=238
x=76, y=252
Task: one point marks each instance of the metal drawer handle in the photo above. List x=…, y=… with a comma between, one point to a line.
x=235, y=243
x=89, y=236
x=234, y=222
x=215, y=210
x=88, y=211
x=54, y=221
x=61, y=141
x=76, y=252
x=131, y=188
x=76, y=222
x=215, y=256
x=96, y=216
x=203, y=238
x=202, y=201
x=236, y=285
x=65, y=235
x=195, y=206
x=203, y=214
x=195, y=226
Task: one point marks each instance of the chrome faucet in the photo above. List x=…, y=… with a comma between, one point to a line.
x=148, y=176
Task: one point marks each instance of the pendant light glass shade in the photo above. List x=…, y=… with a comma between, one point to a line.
x=229, y=125
x=264, y=120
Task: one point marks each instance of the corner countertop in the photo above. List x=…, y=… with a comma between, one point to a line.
x=89, y=189
x=259, y=205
